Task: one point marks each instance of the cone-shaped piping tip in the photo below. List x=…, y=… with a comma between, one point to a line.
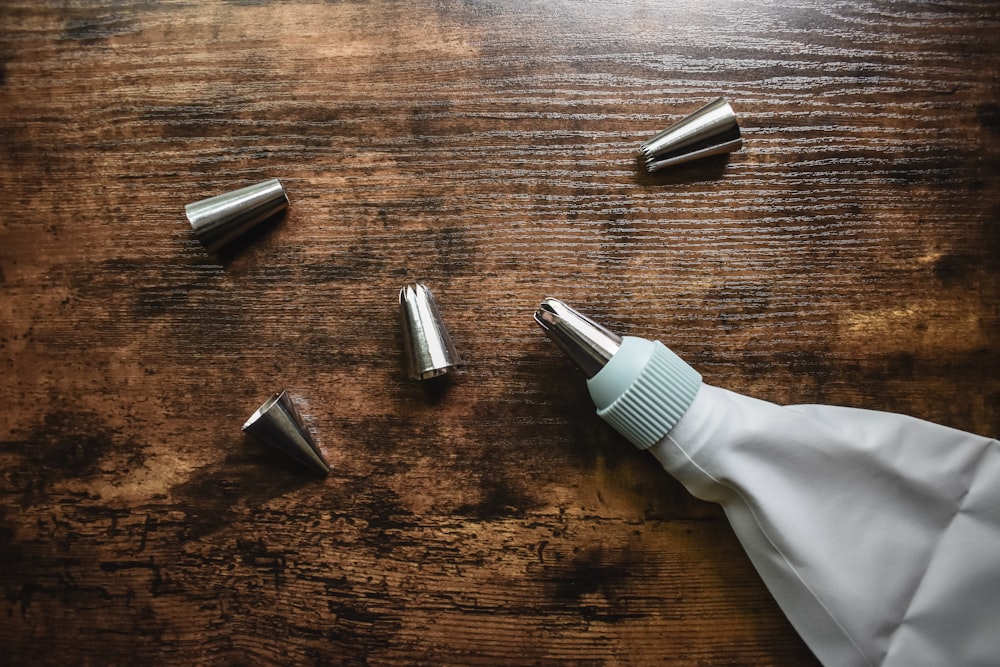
x=711, y=130
x=586, y=342
x=219, y=220
x=277, y=423
x=426, y=342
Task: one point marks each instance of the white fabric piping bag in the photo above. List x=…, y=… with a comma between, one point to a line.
x=878, y=534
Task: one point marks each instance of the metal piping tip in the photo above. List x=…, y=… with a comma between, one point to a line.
x=426, y=342
x=277, y=423
x=219, y=220
x=586, y=342
x=711, y=130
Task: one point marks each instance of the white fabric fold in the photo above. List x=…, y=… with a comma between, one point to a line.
x=878, y=534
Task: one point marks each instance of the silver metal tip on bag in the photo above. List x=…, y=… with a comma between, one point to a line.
x=429, y=349
x=277, y=423
x=586, y=342
x=711, y=130
x=219, y=220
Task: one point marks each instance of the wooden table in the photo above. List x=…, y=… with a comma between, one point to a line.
x=848, y=254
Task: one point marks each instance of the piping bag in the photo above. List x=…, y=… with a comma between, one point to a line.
x=877, y=534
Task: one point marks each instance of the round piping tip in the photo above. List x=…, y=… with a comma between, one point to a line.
x=220, y=220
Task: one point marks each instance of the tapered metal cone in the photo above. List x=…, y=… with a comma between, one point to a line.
x=586, y=342
x=219, y=220
x=711, y=130
x=426, y=342
x=277, y=423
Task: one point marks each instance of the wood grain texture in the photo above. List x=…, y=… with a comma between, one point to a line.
x=849, y=255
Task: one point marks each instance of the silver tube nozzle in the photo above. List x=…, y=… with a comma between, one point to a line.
x=586, y=342
x=219, y=220
x=277, y=423
x=711, y=130
x=429, y=349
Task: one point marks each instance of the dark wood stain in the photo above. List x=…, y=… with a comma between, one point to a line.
x=849, y=254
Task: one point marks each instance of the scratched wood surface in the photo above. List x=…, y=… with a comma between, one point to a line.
x=849, y=254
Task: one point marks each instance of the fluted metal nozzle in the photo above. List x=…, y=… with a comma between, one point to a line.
x=711, y=130
x=219, y=220
x=586, y=342
x=426, y=342
x=277, y=423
